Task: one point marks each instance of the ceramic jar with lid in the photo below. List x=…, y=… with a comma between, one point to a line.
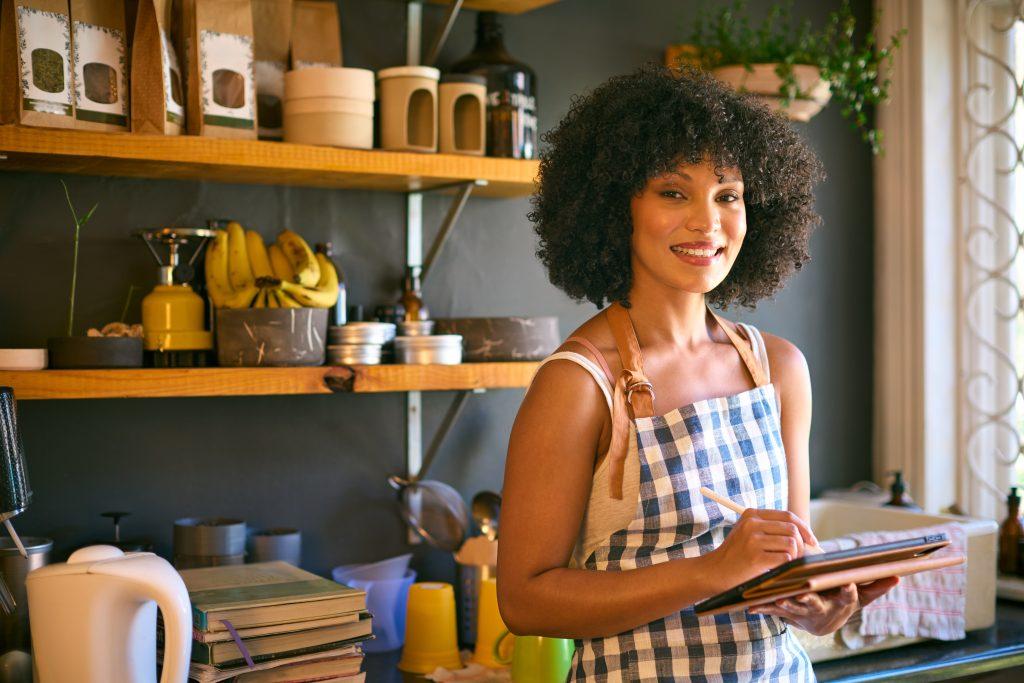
x=462, y=103
x=329, y=106
x=408, y=108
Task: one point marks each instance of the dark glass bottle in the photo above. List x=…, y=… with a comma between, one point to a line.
x=511, y=92
x=412, y=295
x=1010, y=534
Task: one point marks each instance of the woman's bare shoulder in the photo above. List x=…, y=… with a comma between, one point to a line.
x=599, y=334
x=787, y=362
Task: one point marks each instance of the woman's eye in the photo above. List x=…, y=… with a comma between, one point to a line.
x=672, y=194
x=729, y=198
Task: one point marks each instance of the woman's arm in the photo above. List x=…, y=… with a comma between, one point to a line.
x=548, y=475
x=817, y=613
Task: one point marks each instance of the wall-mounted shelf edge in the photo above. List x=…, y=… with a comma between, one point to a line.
x=195, y=382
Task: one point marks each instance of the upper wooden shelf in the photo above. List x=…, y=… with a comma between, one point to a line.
x=360, y=379
x=188, y=157
x=504, y=6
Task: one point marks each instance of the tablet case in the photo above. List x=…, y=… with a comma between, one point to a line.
x=825, y=572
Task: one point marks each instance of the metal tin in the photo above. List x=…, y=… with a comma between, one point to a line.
x=354, y=354
x=440, y=349
x=415, y=328
x=361, y=333
x=211, y=536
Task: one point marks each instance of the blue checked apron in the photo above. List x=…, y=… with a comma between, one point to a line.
x=731, y=445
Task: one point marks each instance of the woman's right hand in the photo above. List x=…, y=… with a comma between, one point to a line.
x=759, y=541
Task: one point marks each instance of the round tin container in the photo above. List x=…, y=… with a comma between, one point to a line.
x=353, y=354
x=361, y=333
x=441, y=349
x=415, y=328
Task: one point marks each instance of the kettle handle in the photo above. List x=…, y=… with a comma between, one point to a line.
x=157, y=580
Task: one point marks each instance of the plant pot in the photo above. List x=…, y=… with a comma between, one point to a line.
x=271, y=337
x=762, y=81
x=79, y=353
x=503, y=339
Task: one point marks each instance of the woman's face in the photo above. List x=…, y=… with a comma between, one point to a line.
x=688, y=227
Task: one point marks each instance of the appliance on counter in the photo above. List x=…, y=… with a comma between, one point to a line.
x=173, y=316
x=15, y=643
x=15, y=493
x=94, y=618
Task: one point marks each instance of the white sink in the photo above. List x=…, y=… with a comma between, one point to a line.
x=831, y=518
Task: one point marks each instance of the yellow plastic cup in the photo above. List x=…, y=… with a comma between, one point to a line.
x=489, y=627
x=430, y=632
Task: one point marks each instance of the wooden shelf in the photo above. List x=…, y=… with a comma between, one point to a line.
x=360, y=379
x=189, y=157
x=504, y=6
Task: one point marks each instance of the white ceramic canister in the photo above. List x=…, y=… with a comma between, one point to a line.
x=329, y=106
x=408, y=108
x=462, y=111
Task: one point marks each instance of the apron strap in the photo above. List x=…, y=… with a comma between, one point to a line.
x=633, y=396
x=753, y=367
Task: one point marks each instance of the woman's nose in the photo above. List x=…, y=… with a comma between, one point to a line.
x=704, y=219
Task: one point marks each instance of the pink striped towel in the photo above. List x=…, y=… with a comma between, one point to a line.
x=925, y=605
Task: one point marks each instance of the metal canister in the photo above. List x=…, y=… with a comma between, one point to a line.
x=415, y=328
x=14, y=629
x=439, y=349
x=468, y=597
x=354, y=354
x=361, y=333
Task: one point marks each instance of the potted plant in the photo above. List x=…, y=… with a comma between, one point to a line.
x=793, y=67
x=95, y=350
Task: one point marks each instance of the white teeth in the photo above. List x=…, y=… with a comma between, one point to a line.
x=705, y=253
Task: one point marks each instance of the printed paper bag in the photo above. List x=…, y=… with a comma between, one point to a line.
x=223, y=102
x=316, y=34
x=36, y=87
x=100, y=65
x=157, y=93
x=272, y=33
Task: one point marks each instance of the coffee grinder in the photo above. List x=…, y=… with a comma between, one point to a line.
x=174, y=332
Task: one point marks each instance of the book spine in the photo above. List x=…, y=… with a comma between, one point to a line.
x=208, y=658
x=198, y=619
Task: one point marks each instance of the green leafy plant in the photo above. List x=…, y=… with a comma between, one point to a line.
x=79, y=222
x=857, y=67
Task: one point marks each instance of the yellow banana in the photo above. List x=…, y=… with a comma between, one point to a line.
x=300, y=256
x=309, y=297
x=286, y=301
x=279, y=263
x=328, y=274
x=242, y=298
x=239, y=270
x=258, y=258
x=272, y=298
x=261, y=299
x=217, y=283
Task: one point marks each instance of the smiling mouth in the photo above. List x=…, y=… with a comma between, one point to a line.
x=700, y=252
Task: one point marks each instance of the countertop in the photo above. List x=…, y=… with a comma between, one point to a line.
x=999, y=647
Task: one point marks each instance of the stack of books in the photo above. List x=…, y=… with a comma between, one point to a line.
x=271, y=622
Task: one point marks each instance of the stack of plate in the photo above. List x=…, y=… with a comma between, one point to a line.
x=358, y=343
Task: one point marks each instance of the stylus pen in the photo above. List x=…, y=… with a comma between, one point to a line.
x=739, y=509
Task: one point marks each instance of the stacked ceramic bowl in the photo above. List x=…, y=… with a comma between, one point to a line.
x=358, y=343
x=329, y=106
x=417, y=346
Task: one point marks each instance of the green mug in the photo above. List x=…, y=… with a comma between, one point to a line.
x=536, y=659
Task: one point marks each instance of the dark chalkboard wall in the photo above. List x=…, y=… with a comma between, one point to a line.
x=319, y=463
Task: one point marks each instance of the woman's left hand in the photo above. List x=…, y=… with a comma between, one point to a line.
x=826, y=612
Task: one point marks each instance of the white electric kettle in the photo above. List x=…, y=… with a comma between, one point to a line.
x=93, y=618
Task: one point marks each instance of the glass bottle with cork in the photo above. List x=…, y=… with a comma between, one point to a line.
x=412, y=295
x=511, y=91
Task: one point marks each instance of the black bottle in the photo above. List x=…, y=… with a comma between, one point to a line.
x=511, y=92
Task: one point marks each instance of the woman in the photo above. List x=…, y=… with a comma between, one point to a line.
x=663, y=194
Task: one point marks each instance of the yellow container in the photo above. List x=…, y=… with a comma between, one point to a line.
x=490, y=627
x=173, y=320
x=430, y=634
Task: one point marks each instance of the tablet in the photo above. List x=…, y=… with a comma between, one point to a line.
x=813, y=573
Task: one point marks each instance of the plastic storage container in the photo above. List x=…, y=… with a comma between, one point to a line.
x=408, y=108
x=329, y=106
x=462, y=110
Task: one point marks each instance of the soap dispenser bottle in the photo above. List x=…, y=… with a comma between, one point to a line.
x=900, y=498
x=1011, y=532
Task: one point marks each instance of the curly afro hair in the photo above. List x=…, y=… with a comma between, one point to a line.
x=637, y=126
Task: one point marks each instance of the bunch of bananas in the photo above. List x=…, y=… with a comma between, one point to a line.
x=241, y=272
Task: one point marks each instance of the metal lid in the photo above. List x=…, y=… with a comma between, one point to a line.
x=409, y=72
x=464, y=78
